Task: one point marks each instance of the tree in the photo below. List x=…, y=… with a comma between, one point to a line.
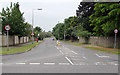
x=58, y=31
x=13, y=17
x=105, y=18
x=85, y=9
x=37, y=30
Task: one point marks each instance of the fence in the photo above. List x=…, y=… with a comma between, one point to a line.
x=13, y=40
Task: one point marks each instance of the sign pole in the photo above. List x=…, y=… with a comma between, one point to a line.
x=7, y=28
x=115, y=31
x=115, y=42
x=7, y=40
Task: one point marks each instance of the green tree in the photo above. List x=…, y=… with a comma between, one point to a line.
x=85, y=9
x=37, y=30
x=106, y=18
x=13, y=17
x=58, y=31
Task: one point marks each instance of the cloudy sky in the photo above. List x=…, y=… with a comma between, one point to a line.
x=52, y=11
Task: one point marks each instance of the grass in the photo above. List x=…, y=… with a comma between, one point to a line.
x=109, y=50
x=20, y=49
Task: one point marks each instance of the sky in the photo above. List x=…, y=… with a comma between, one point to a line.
x=53, y=11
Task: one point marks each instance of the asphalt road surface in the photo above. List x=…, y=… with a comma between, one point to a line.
x=50, y=58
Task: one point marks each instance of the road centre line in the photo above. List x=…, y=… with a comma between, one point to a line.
x=57, y=47
x=49, y=63
x=64, y=64
x=34, y=63
x=84, y=57
x=61, y=51
x=74, y=52
x=21, y=63
x=69, y=60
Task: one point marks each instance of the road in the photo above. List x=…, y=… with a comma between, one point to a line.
x=67, y=58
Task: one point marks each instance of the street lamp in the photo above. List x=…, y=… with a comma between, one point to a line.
x=33, y=22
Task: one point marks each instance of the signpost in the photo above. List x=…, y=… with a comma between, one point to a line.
x=115, y=31
x=32, y=37
x=7, y=28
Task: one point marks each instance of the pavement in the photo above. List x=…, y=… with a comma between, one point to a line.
x=47, y=57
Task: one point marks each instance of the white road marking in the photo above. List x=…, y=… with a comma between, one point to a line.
x=113, y=63
x=69, y=60
x=64, y=64
x=61, y=51
x=49, y=63
x=57, y=47
x=99, y=63
x=84, y=57
x=21, y=63
x=1, y=63
x=74, y=52
x=34, y=63
x=102, y=56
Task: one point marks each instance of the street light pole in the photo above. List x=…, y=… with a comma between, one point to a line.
x=33, y=23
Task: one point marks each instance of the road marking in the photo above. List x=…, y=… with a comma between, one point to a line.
x=74, y=52
x=34, y=63
x=1, y=63
x=64, y=64
x=99, y=63
x=61, y=51
x=102, y=56
x=57, y=47
x=49, y=63
x=69, y=60
x=113, y=63
x=21, y=63
x=84, y=57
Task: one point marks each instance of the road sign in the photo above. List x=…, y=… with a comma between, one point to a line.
x=115, y=31
x=32, y=33
x=7, y=27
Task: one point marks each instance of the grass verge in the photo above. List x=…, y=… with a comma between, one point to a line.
x=109, y=50
x=15, y=50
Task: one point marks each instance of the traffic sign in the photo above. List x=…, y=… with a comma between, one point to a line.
x=7, y=27
x=32, y=33
x=115, y=31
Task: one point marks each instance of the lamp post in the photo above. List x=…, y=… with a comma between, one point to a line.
x=33, y=23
